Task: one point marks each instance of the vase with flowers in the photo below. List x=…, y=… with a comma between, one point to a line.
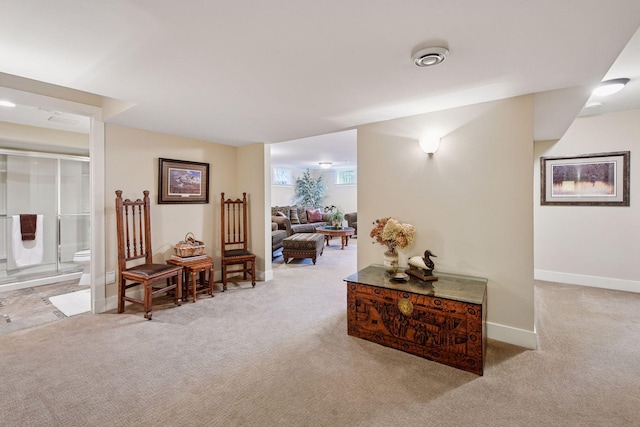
x=336, y=218
x=392, y=234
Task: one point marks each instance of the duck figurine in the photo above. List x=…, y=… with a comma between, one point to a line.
x=423, y=263
x=422, y=267
x=417, y=262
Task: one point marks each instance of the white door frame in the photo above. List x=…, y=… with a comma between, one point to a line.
x=96, y=155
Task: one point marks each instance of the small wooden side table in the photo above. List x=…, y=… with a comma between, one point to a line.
x=193, y=268
x=343, y=233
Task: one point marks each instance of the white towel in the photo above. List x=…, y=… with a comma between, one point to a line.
x=27, y=252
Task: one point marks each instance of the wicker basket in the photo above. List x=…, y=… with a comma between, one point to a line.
x=189, y=246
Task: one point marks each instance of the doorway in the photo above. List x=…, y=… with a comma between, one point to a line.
x=331, y=158
x=21, y=135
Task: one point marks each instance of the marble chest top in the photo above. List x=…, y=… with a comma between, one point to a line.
x=448, y=286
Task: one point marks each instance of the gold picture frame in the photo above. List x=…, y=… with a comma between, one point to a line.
x=182, y=181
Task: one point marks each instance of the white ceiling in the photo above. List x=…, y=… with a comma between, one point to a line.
x=626, y=65
x=338, y=148
x=45, y=117
x=239, y=72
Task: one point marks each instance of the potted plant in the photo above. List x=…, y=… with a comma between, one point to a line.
x=309, y=190
x=336, y=218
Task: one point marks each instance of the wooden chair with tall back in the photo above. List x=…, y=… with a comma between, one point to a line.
x=134, y=243
x=234, y=240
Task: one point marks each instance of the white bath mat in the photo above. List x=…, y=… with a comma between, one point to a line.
x=73, y=303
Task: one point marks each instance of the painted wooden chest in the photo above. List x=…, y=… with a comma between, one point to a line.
x=443, y=321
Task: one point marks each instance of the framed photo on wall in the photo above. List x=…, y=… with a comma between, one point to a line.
x=181, y=181
x=589, y=180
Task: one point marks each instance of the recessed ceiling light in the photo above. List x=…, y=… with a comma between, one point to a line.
x=325, y=165
x=429, y=56
x=610, y=87
x=5, y=103
x=593, y=105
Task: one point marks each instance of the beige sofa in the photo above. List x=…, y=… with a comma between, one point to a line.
x=352, y=220
x=277, y=236
x=294, y=219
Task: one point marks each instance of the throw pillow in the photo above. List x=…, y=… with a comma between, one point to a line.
x=283, y=209
x=293, y=215
x=314, y=215
x=280, y=213
x=302, y=215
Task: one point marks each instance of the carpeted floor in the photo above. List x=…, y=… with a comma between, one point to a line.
x=279, y=355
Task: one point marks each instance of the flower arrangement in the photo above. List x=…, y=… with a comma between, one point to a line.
x=336, y=218
x=391, y=233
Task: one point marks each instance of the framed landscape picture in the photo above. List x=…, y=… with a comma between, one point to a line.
x=590, y=180
x=181, y=181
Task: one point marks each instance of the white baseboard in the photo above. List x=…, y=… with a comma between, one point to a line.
x=515, y=336
x=101, y=305
x=592, y=281
x=110, y=303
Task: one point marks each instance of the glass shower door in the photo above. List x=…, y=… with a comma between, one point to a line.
x=73, y=228
x=32, y=189
x=56, y=187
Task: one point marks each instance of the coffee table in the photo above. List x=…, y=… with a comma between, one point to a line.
x=343, y=233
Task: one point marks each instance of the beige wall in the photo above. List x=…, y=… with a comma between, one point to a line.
x=282, y=195
x=254, y=179
x=131, y=164
x=591, y=246
x=285, y=195
x=471, y=202
x=344, y=196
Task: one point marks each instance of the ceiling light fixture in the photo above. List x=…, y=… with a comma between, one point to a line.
x=610, y=87
x=325, y=165
x=430, y=56
x=5, y=103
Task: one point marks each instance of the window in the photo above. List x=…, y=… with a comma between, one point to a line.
x=346, y=177
x=282, y=176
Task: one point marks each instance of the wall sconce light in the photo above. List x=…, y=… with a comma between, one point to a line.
x=609, y=87
x=325, y=165
x=430, y=144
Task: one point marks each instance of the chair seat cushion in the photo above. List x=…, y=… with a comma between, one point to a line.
x=233, y=253
x=151, y=269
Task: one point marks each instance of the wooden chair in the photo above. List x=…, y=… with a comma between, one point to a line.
x=134, y=243
x=234, y=240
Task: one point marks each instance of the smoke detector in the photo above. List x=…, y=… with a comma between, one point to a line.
x=430, y=56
